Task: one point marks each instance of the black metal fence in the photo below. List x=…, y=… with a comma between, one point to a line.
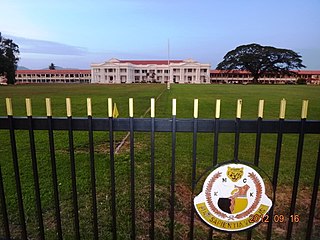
x=172, y=126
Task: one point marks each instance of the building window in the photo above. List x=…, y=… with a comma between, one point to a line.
x=136, y=71
x=144, y=71
x=166, y=71
x=110, y=70
x=123, y=79
x=123, y=70
x=159, y=71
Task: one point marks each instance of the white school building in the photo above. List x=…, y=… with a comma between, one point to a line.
x=150, y=71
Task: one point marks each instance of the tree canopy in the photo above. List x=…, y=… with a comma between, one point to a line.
x=9, y=52
x=259, y=60
x=52, y=66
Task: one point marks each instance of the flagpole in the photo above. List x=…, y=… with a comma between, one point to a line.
x=168, y=83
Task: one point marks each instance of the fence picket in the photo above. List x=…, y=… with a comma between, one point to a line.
x=173, y=168
x=132, y=172
x=92, y=171
x=298, y=166
x=194, y=165
x=277, y=163
x=73, y=171
x=35, y=168
x=152, y=169
x=215, y=144
x=257, y=145
x=53, y=169
x=11, y=128
x=112, y=172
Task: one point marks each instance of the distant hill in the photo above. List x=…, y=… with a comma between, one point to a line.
x=22, y=68
x=58, y=68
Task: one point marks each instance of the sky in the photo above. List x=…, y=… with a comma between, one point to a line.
x=76, y=33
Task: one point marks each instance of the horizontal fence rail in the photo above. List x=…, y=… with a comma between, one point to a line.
x=164, y=125
x=173, y=125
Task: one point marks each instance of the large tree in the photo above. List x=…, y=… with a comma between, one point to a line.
x=9, y=52
x=52, y=66
x=259, y=60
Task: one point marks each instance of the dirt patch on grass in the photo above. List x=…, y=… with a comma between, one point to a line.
x=104, y=148
x=302, y=209
x=183, y=217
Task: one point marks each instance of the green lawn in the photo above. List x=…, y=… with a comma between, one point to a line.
x=207, y=94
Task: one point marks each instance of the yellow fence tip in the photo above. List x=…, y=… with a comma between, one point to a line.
x=130, y=107
x=218, y=104
x=195, y=108
x=260, y=109
x=174, y=107
x=110, y=107
x=48, y=107
x=9, y=107
x=282, y=109
x=239, y=106
x=304, y=110
x=68, y=105
x=152, y=107
x=89, y=107
x=28, y=107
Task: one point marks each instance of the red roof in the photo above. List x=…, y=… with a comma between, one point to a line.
x=143, y=62
x=309, y=72
x=57, y=71
x=232, y=71
x=146, y=62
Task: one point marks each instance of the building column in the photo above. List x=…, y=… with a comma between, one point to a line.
x=198, y=75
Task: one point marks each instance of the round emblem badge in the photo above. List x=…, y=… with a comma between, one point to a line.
x=233, y=198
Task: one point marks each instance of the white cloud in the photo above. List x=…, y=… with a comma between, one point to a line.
x=27, y=45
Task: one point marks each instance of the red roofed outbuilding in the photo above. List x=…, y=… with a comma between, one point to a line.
x=53, y=76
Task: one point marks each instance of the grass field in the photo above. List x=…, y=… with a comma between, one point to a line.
x=207, y=94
